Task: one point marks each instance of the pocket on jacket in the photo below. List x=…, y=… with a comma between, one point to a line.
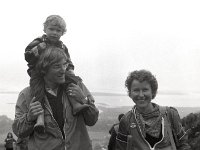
x=123, y=142
x=48, y=119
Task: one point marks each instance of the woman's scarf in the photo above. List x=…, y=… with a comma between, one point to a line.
x=150, y=123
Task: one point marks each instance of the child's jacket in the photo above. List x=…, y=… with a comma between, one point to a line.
x=31, y=58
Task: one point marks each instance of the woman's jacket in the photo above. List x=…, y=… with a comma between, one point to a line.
x=173, y=135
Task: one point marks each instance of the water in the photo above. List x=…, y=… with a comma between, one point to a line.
x=7, y=104
x=8, y=100
x=165, y=100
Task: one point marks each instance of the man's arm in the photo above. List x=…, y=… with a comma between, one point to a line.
x=91, y=114
x=21, y=126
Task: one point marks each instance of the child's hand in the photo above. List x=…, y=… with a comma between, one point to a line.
x=41, y=47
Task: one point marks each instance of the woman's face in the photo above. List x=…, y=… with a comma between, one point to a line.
x=9, y=135
x=141, y=94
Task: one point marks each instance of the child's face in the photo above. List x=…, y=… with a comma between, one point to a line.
x=53, y=32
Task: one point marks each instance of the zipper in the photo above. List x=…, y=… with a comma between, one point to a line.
x=65, y=118
x=151, y=148
x=53, y=119
x=163, y=131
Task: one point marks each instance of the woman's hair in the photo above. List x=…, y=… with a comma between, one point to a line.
x=47, y=58
x=57, y=21
x=142, y=75
x=9, y=133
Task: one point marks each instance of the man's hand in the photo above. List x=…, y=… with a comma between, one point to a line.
x=76, y=92
x=35, y=109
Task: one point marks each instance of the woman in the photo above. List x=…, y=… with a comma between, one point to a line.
x=9, y=141
x=149, y=126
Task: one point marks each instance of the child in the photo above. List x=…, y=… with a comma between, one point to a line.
x=54, y=28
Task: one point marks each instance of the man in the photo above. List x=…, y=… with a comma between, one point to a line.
x=63, y=129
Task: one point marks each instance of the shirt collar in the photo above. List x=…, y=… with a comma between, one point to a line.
x=51, y=91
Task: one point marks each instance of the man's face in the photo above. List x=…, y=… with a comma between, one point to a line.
x=141, y=94
x=53, y=32
x=56, y=74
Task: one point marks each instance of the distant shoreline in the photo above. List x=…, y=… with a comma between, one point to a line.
x=9, y=92
x=119, y=93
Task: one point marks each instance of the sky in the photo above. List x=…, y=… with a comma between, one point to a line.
x=107, y=39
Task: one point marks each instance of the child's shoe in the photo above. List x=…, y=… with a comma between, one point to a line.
x=39, y=126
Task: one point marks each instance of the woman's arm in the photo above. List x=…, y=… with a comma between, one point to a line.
x=122, y=135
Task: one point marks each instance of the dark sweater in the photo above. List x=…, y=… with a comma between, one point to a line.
x=57, y=107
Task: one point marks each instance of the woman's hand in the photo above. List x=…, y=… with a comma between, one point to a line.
x=76, y=92
x=35, y=109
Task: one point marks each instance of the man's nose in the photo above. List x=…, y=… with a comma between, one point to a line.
x=63, y=68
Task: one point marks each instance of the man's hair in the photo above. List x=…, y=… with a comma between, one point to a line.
x=141, y=76
x=55, y=20
x=47, y=58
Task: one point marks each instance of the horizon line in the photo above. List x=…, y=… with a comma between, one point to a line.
x=97, y=93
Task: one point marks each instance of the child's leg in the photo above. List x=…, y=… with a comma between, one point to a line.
x=39, y=126
x=76, y=106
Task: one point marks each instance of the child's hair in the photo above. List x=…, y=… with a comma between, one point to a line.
x=57, y=21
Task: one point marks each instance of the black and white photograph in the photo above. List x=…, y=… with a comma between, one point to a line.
x=100, y=75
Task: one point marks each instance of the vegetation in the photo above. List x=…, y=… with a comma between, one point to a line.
x=192, y=126
x=109, y=116
x=100, y=132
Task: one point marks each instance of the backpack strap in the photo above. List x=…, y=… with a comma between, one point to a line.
x=164, y=111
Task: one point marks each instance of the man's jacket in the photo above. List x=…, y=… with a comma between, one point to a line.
x=76, y=135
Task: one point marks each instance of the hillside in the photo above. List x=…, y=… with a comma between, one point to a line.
x=5, y=127
x=108, y=116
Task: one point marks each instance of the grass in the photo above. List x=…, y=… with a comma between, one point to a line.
x=2, y=147
x=99, y=138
